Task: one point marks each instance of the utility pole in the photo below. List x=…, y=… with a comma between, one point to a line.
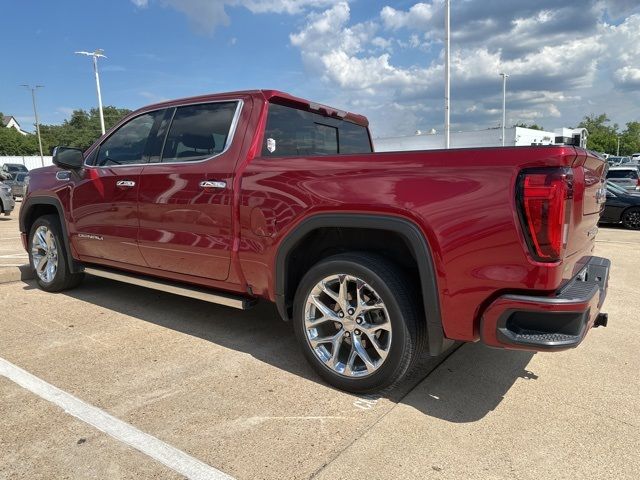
x=35, y=113
x=504, y=105
x=618, y=150
x=447, y=74
x=95, y=54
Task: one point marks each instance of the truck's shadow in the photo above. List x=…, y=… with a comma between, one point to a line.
x=465, y=387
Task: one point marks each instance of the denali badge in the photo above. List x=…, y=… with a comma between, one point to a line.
x=271, y=145
x=89, y=236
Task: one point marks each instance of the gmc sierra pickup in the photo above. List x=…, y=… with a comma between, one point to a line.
x=374, y=257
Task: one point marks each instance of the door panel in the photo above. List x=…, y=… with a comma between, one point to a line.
x=106, y=215
x=104, y=203
x=186, y=227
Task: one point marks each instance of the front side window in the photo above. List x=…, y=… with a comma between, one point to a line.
x=127, y=145
x=198, y=132
x=291, y=132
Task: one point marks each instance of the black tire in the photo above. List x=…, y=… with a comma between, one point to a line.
x=631, y=218
x=63, y=279
x=402, y=303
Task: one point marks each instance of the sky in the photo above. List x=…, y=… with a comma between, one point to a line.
x=380, y=58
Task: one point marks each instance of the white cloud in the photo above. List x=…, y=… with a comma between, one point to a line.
x=418, y=17
x=207, y=15
x=554, y=69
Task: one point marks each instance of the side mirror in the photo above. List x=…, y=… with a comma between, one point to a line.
x=68, y=157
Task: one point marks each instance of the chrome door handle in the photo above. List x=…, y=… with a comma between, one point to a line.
x=125, y=183
x=208, y=184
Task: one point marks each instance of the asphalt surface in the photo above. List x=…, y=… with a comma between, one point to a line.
x=231, y=389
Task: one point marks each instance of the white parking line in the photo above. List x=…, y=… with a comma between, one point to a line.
x=164, y=453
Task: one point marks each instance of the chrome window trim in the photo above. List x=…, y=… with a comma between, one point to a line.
x=230, y=137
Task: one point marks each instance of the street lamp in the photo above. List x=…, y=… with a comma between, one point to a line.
x=504, y=105
x=447, y=74
x=35, y=113
x=95, y=54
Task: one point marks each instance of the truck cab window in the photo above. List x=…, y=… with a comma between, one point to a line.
x=291, y=132
x=198, y=132
x=126, y=146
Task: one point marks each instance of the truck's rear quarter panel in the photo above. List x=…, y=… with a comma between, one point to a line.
x=463, y=201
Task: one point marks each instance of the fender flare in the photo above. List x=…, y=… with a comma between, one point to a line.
x=31, y=202
x=407, y=229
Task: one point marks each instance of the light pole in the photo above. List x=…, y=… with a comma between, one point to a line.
x=504, y=105
x=95, y=54
x=35, y=113
x=447, y=74
x=618, y=149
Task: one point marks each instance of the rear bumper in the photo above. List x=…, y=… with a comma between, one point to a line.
x=558, y=322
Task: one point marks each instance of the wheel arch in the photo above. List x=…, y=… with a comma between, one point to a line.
x=35, y=207
x=407, y=230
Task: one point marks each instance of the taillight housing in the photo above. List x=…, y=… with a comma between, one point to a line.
x=545, y=198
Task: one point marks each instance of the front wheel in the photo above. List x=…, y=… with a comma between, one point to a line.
x=357, y=319
x=631, y=218
x=48, y=257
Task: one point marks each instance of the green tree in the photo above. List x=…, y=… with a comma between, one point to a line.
x=81, y=129
x=13, y=142
x=630, y=139
x=602, y=136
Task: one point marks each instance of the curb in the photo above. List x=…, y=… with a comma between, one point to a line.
x=15, y=274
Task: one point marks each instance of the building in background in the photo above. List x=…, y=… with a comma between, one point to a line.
x=514, y=137
x=10, y=122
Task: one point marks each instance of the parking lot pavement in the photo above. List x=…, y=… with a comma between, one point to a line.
x=11, y=251
x=231, y=389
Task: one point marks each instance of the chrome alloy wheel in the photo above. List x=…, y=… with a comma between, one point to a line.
x=44, y=252
x=347, y=325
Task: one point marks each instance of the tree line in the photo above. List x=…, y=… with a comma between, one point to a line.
x=83, y=128
x=80, y=130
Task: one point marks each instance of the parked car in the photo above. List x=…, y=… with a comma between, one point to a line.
x=615, y=161
x=374, y=257
x=18, y=184
x=622, y=206
x=628, y=177
x=635, y=157
x=12, y=168
x=7, y=203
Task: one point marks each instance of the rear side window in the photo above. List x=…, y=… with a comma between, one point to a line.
x=632, y=174
x=199, y=131
x=291, y=132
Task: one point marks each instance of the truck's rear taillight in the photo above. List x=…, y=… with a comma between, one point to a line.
x=544, y=197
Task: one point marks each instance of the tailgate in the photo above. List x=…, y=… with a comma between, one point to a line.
x=589, y=197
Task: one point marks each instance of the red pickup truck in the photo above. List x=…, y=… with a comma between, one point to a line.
x=374, y=257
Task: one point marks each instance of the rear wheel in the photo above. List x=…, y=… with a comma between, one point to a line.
x=48, y=256
x=631, y=218
x=356, y=317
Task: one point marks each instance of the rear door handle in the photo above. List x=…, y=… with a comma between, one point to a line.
x=211, y=184
x=125, y=183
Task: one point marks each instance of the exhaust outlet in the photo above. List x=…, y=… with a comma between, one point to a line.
x=601, y=320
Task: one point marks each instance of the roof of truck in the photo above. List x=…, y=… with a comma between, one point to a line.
x=268, y=95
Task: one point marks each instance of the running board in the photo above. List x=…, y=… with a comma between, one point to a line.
x=238, y=302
